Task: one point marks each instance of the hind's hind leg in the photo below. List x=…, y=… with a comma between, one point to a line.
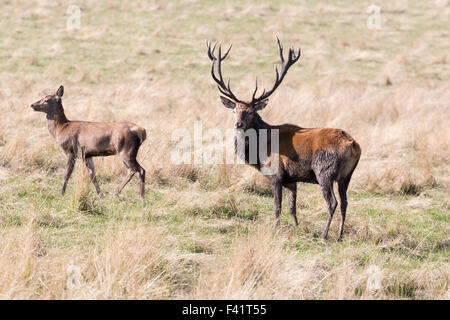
x=133, y=166
x=141, y=172
x=125, y=181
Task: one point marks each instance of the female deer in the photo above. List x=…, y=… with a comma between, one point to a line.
x=92, y=139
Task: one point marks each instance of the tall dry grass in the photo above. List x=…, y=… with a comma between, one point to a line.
x=400, y=129
x=138, y=263
x=206, y=232
x=128, y=263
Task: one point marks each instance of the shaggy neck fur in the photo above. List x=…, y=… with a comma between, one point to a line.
x=257, y=124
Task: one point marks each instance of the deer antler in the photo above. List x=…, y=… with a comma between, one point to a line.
x=292, y=58
x=224, y=89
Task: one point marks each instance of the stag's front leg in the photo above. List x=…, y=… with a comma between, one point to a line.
x=277, y=195
x=292, y=197
x=69, y=169
x=90, y=165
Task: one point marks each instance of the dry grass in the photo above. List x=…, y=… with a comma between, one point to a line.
x=205, y=232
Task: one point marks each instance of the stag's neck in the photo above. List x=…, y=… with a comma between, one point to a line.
x=259, y=123
x=55, y=121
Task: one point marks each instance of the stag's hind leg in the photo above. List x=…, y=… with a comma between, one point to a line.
x=342, y=187
x=90, y=165
x=328, y=194
x=325, y=166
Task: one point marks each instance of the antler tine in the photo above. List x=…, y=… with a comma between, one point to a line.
x=278, y=75
x=223, y=88
x=280, y=49
x=231, y=93
x=228, y=51
x=208, y=46
x=292, y=58
x=298, y=55
x=222, y=91
x=219, y=64
x=221, y=85
x=256, y=89
x=211, y=53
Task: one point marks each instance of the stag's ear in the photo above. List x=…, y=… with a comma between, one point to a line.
x=228, y=103
x=260, y=104
x=60, y=92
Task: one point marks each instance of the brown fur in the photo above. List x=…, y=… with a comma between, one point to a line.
x=317, y=155
x=302, y=143
x=313, y=155
x=92, y=139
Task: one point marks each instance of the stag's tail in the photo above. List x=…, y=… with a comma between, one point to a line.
x=350, y=158
x=356, y=150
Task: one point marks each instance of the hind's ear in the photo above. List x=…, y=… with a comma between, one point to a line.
x=60, y=92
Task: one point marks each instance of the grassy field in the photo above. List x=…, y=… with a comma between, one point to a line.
x=207, y=231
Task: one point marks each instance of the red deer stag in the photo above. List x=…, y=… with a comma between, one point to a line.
x=314, y=155
x=92, y=139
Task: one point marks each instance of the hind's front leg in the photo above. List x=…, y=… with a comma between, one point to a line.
x=69, y=169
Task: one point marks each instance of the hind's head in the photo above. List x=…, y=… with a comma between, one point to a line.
x=50, y=104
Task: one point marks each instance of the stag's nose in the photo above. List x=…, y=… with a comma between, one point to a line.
x=239, y=125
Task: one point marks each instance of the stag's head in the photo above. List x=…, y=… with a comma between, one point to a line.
x=50, y=104
x=245, y=111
